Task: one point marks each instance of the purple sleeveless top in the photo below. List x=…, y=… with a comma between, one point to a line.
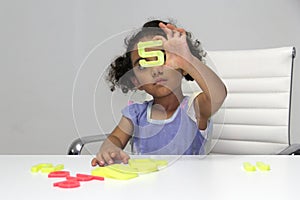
x=178, y=135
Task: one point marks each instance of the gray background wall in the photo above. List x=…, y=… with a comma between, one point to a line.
x=53, y=55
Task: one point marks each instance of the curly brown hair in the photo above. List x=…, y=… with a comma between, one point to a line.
x=120, y=69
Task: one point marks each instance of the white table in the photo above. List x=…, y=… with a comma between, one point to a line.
x=213, y=177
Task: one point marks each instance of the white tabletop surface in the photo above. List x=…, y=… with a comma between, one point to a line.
x=213, y=177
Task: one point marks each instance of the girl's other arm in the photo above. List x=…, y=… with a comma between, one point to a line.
x=111, y=149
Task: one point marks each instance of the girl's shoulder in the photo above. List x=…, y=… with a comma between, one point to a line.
x=139, y=105
x=135, y=108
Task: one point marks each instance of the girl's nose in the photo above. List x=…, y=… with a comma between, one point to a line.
x=156, y=71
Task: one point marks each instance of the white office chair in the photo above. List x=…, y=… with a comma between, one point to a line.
x=255, y=118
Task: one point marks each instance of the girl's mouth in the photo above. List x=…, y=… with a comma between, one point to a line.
x=160, y=81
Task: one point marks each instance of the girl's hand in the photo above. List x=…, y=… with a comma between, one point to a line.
x=108, y=154
x=178, y=53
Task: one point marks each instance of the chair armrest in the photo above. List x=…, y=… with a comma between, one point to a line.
x=292, y=149
x=76, y=146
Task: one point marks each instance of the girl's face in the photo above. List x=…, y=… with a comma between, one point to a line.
x=157, y=81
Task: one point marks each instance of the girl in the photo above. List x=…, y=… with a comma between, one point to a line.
x=171, y=123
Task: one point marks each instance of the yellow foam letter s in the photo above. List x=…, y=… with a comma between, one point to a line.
x=149, y=54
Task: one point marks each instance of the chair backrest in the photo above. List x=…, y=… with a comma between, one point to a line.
x=255, y=117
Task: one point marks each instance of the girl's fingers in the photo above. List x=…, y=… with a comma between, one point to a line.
x=162, y=25
x=172, y=31
x=98, y=160
x=176, y=34
x=181, y=30
x=174, y=28
x=124, y=157
x=171, y=26
x=101, y=159
x=107, y=158
x=94, y=162
x=167, y=30
x=158, y=37
x=113, y=155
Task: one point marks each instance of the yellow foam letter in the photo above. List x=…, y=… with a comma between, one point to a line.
x=149, y=54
